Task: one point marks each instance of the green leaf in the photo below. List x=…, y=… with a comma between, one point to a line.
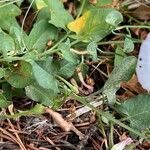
x=41, y=33
x=19, y=2
x=3, y=101
x=128, y=45
x=7, y=90
x=43, y=14
x=95, y=24
x=114, y=18
x=122, y=72
x=44, y=79
x=8, y=23
x=7, y=15
x=10, y=10
x=67, y=54
x=137, y=110
x=19, y=75
x=59, y=16
x=66, y=69
x=92, y=50
x=119, y=55
x=50, y=65
x=41, y=95
x=6, y=44
x=19, y=39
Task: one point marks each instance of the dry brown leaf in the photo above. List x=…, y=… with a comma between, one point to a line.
x=142, y=13
x=146, y=144
x=126, y=95
x=132, y=87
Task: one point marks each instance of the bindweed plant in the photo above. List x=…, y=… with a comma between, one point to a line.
x=40, y=62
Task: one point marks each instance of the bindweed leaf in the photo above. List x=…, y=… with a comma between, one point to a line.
x=119, y=55
x=67, y=53
x=43, y=78
x=122, y=72
x=59, y=16
x=137, y=111
x=92, y=50
x=7, y=16
x=95, y=24
x=3, y=101
x=41, y=95
x=128, y=45
x=19, y=75
x=7, y=45
x=41, y=33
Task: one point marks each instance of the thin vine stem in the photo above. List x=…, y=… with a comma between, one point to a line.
x=50, y=51
x=11, y=2
x=9, y=59
x=130, y=26
x=81, y=9
x=107, y=115
x=117, y=42
x=111, y=134
x=23, y=22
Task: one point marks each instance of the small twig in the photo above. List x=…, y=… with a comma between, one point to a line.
x=16, y=134
x=12, y=137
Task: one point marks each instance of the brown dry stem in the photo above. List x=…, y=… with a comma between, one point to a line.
x=66, y=126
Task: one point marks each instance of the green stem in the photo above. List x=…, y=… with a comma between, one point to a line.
x=116, y=42
x=48, y=52
x=8, y=3
x=102, y=130
x=107, y=115
x=52, y=50
x=81, y=9
x=9, y=59
x=38, y=109
x=111, y=141
x=74, y=42
x=130, y=26
x=73, y=88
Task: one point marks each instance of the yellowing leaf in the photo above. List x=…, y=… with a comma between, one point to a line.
x=78, y=25
x=40, y=4
x=95, y=24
